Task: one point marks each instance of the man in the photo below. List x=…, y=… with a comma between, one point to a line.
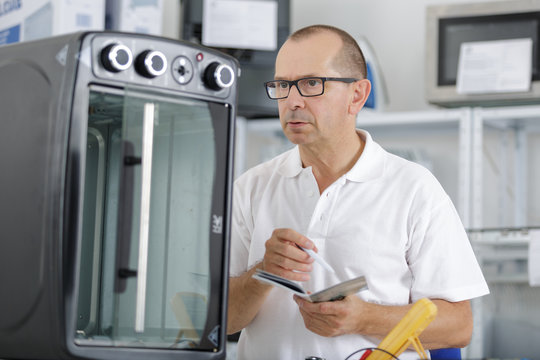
x=365, y=211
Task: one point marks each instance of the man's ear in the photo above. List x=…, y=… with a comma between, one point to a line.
x=361, y=90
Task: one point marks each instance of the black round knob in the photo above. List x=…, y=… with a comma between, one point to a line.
x=116, y=57
x=218, y=76
x=151, y=63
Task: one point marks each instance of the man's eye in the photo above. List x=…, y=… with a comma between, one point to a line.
x=313, y=82
x=283, y=85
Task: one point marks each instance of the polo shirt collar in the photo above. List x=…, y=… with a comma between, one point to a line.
x=292, y=164
x=369, y=166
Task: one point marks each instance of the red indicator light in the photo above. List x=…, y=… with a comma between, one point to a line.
x=200, y=57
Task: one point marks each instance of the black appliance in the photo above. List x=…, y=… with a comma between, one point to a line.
x=116, y=156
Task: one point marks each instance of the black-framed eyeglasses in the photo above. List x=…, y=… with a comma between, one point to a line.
x=307, y=87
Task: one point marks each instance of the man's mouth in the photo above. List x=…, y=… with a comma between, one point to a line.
x=297, y=118
x=296, y=123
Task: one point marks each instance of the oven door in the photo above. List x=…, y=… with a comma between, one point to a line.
x=152, y=254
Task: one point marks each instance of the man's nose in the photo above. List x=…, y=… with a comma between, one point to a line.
x=294, y=99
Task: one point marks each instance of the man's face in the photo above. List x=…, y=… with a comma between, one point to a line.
x=318, y=120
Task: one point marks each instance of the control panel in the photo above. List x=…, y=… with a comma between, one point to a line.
x=163, y=63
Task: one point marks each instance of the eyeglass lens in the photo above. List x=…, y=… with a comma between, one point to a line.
x=307, y=87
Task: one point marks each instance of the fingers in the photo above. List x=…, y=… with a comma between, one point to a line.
x=294, y=237
x=325, y=325
x=330, y=308
x=328, y=318
x=283, y=257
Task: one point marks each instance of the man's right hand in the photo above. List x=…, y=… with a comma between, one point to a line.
x=283, y=257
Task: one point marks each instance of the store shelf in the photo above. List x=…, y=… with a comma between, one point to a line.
x=430, y=117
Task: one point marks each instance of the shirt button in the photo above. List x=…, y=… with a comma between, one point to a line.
x=311, y=193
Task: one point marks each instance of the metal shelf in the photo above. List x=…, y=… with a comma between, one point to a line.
x=508, y=279
x=430, y=117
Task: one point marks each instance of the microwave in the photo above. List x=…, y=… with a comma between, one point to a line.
x=448, y=26
x=117, y=158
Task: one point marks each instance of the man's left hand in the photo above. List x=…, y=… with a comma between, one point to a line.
x=332, y=318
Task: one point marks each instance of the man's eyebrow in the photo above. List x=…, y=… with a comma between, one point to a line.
x=300, y=77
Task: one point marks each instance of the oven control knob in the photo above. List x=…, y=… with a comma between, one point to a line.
x=218, y=76
x=151, y=63
x=116, y=57
x=182, y=70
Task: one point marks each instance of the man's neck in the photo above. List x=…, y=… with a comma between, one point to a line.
x=330, y=161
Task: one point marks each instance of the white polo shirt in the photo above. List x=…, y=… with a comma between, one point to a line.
x=387, y=219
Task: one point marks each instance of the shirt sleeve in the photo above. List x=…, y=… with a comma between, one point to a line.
x=241, y=225
x=441, y=258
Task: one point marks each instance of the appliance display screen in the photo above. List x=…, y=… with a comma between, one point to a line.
x=145, y=255
x=455, y=31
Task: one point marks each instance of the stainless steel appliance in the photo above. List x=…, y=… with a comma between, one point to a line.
x=116, y=157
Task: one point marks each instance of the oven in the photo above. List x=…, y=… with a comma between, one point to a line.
x=116, y=154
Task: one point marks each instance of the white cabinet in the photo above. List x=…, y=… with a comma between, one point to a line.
x=505, y=210
x=506, y=167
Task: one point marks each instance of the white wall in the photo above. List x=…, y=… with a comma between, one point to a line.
x=395, y=29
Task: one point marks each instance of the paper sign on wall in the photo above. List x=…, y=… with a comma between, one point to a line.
x=495, y=66
x=242, y=24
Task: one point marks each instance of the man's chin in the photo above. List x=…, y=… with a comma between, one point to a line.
x=297, y=138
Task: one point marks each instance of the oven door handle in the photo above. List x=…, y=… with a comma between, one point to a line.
x=144, y=220
x=125, y=214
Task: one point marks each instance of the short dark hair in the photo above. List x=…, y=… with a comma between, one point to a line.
x=350, y=60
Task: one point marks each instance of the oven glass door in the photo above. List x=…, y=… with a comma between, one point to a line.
x=153, y=204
